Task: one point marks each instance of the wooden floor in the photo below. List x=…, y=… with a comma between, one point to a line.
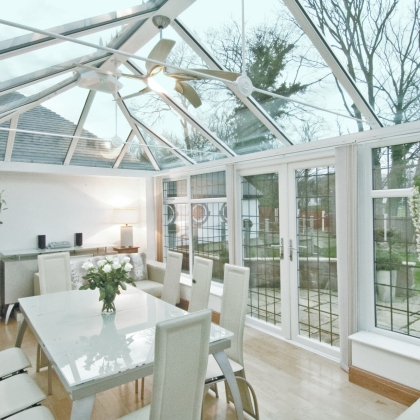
x=290, y=383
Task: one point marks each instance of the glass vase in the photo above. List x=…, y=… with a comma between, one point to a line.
x=108, y=305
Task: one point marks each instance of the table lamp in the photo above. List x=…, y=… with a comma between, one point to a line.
x=126, y=216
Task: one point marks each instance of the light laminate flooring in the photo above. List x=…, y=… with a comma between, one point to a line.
x=291, y=384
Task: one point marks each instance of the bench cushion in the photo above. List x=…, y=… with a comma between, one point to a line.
x=152, y=287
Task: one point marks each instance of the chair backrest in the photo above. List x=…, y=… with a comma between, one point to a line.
x=54, y=272
x=234, y=304
x=181, y=355
x=201, y=281
x=170, y=289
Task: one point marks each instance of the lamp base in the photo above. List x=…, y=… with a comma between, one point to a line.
x=127, y=236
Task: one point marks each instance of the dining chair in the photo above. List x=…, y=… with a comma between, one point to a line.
x=232, y=318
x=18, y=393
x=170, y=291
x=201, y=281
x=181, y=353
x=54, y=277
x=12, y=362
x=34, y=413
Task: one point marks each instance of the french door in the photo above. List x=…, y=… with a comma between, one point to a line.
x=289, y=243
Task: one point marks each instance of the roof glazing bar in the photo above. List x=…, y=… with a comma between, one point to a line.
x=130, y=120
x=342, y=75
x=79, y=127
x=25, y=43
x=124, y=150
x=180, y=110
x=11, y=139
x=214, y=64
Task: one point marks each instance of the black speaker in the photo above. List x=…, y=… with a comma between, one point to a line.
x=42, y=244
x=78, y=239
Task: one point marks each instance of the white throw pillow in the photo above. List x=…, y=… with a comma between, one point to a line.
x=139, y=271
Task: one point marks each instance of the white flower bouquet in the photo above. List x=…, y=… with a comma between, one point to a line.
x=108, y=276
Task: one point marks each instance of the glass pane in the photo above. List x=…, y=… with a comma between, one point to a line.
x=212, y=185
x=3, y=139
x=395, y=166
x=260, y=242
x=317, y=254
x=173, y=189
x=397, y=278
x=136, y=158
x=210, y=233
x=175, y=232
x=379, y=48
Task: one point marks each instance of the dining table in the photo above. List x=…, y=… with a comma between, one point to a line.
x=92, y=352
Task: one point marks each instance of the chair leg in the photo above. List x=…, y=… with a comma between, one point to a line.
x=215, y=389
x=142, y=389
x=137, y=386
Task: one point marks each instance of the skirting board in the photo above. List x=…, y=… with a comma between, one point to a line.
x=382, y=386
x=215, y=316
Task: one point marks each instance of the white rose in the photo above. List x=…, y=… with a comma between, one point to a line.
x=101, y=263
x=87, y=265
x=128, y=267
x=109, y=258
x=126, y=259
x=116, y=260
x=107, y=268
x=116, y=265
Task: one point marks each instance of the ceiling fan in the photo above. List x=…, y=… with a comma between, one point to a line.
x=158, y=77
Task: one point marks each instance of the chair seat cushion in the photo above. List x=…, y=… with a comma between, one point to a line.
x=214, y=371
x=142, y=414
x=152, y=287
x=12, y=360
x=17, y=393
x=36, y=413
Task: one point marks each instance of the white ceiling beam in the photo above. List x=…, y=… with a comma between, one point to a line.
x=11, y=139
x=184, y=113
x=339, y=71
x=79, y=127
x=124, y=150
x=214, y=64
x=136, y=131
x=20, y=106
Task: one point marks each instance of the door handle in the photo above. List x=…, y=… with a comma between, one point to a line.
x=291, y=249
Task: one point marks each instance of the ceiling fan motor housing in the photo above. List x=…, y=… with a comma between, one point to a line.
x=160, y=21
x=99, y=82
x=244, y=84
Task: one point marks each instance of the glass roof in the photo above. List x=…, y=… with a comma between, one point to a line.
x=297, y=97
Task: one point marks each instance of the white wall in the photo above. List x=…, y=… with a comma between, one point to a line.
x=58, y=206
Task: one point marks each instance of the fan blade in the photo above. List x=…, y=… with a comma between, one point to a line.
x=184, y=75
x=188, y=92
x=133, y=95
x=159, y=52
x=110, y=73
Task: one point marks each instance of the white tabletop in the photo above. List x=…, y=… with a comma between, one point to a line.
x=86, y=345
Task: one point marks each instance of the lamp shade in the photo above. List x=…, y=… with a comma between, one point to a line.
x=126, y=216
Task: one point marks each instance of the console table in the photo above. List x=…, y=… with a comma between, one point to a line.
x=17, y=269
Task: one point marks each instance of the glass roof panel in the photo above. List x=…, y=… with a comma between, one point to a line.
x=380, y=51
x=154, y=112
x=165, y=158
x=52, y=13
x=50, y=117
x=280, y=59
x=135, y=158
x=3, y=139
x=42, y=85
x=60, y=53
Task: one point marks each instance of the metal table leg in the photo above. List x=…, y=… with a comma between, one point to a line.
x=21, y=333
x=224, y=364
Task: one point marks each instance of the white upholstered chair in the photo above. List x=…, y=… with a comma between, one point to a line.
x=54, y=277
x=201, y=281
x=181, y=353
x=173, y=268
x=12, y=361
x=232, y=318
x=18, y=393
